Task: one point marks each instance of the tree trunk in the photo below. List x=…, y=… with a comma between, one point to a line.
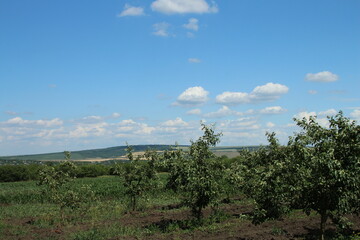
x=324, y=217
x=133, y=201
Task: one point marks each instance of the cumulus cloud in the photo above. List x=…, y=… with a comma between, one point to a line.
x=273, y=110
x=304, y=114
x=178, y=122
x=242, y=124
x=329, y=112
x=190, y=34
x=192, y=96
x=133, y=127
x=193, y=24
x=115, y=115
x=42, y=123
x=224, y=111
x=312, y=92
x=183, y=6
x=12, y=113
x=195, y=111
x=355, y=115
x=323, y=121
x=232, y=98
x=324, y=76
x=268, y=92
x=270, y=125
x=194, y=60
x=91, y=119
x=131, y=11
x=161, y=29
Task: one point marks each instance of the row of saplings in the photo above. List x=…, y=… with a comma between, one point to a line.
x=318, y=170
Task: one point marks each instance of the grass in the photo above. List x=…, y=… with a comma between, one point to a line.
x=24, y=212
x=25, y=215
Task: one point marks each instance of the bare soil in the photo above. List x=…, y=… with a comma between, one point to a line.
x=236, y=224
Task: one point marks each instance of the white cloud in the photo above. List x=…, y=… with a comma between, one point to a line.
x=270, y=89
x=178, y=122
x=190, y=34
x=329, y=112
x=355, y=114
x=194, y=60
x=232, y=98
x=270, y=125
x=127, y=122
x=312, y=92
x=92, y=119
x=144, y=129
x=273, y=110
x=323, y=121
x=304, y=114
x=195, y=111
x=241, y=124
x=86, y=130
x=324, y=76
x=43, y=123
x=115, y=115
x=131, y=11
x=192, y=96
x=161, y=29
x=183, y=6
x=193, y=24
x=222, y=112
x=12, y=113
x=268, y=92
x=132, y=127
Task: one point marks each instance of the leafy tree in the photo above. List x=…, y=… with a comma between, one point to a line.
x=57, y=189
x=175, y=162
x=318, y=170
x=138, y=177
x=269, y=177
x=55, y=178
x=330, y=159
x=198, y=174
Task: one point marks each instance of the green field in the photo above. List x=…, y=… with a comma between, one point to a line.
x=25, y=214
x=111, y=152
x=115, y=152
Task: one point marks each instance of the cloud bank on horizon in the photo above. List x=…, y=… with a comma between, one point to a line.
x=147, y=72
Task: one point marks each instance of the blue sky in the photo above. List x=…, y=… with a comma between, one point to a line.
x=91, y=74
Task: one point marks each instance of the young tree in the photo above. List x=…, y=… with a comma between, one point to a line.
x=330, y=159
x=318, y=170
x=198, y=174
x=56, y=181
x=138, y=177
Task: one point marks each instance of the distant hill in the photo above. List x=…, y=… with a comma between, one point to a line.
x=117, y=152
x=111, y=152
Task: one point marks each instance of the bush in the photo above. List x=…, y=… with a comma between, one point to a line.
x=14, y=173
x=90, y=170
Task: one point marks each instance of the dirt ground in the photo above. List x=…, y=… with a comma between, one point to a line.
x=295, y=226
x=236, y=225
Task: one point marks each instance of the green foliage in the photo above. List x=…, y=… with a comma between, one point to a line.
x=175, y=162
x=330, y=158
x=138, y=177
x=270, y=178
x=197, y=175
x=13, y=173
x=111, y=152
x=91, y=170
x=57, y=188
x=318, y=170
